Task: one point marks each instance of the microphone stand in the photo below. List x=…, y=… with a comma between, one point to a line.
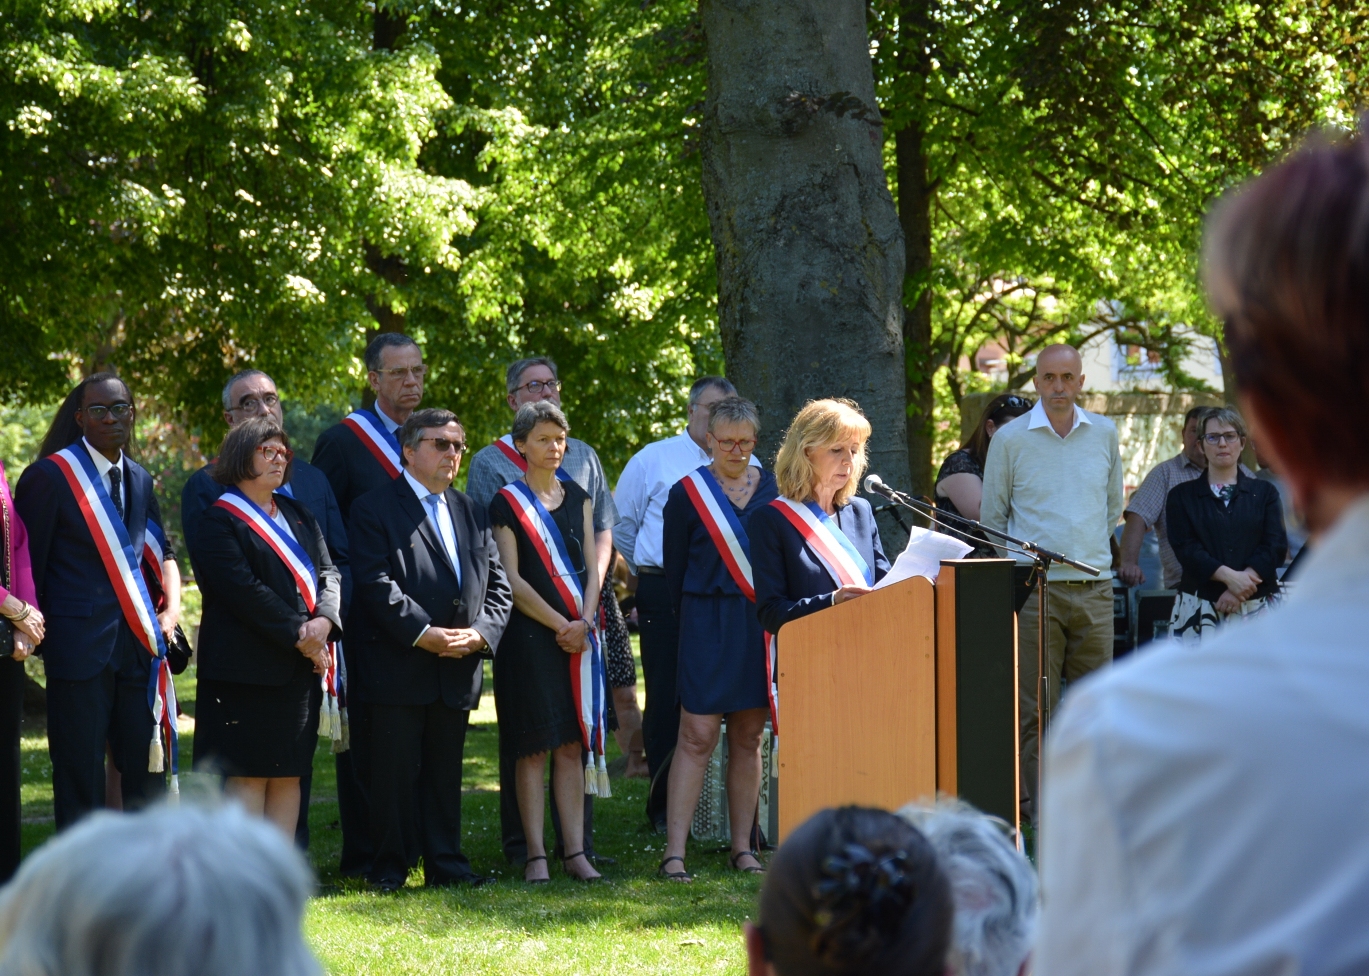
x=1041, y=558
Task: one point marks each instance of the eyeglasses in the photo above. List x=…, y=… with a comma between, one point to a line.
x=99, y=411
x=254, y=404
x=400, y=372
x=443, y=445
x=747, y=445
x=537, y=386
x=1230, y=437
x=271, y=452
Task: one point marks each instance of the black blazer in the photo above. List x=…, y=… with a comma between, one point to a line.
x=308, y=486
x=252, y=609
x=1207, y=535
x=790, y=580
x=404, y=583
x=74, y=592
x=349, y=466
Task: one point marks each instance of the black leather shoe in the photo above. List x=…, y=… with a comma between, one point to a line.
x=473, y=880
x=388, y=886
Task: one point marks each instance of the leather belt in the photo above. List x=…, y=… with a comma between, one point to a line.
x=650, y=571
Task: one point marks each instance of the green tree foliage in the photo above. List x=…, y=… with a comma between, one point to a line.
x=1073, y=149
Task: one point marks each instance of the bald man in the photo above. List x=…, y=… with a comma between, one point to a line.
x=1054, y=476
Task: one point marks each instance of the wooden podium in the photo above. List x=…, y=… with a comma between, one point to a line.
x=902, y=693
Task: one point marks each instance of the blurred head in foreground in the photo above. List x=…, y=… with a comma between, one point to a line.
x=173, y=890
x=852, y=891
x=1286, y=260
x=993, y=886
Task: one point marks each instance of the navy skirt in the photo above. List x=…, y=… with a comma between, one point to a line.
x=722, y=657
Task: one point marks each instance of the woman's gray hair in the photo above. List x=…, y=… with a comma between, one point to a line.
x=184, y=889
x=993, y=884
x=531, y=414
x=1224, y=415
x=733, y=410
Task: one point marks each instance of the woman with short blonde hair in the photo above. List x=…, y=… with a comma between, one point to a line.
x=816, y=545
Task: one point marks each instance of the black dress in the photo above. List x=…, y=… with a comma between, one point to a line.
x=963, y=462
x=532, y=692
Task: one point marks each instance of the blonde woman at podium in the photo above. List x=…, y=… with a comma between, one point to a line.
x=817, y=544
x=722, y=650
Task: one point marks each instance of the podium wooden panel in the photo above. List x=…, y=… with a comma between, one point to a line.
x=857, y=687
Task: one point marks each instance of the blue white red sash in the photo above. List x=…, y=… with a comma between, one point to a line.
x=301, y=567
x=505, y=445
x=123, y=566
x=587, y=676
x=164, y=707
x=377, y=439
x=827, y=542
x=720, y=521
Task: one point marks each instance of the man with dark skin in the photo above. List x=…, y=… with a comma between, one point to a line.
x=98, y=670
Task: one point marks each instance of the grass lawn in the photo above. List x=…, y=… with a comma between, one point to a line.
x=633, y=923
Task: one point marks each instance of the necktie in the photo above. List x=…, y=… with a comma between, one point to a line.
x=444, y=530
x=114, y=494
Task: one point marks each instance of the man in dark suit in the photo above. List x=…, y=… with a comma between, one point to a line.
x=97, y=667
x=249, y=394
x=360, y=455
x=431, y=601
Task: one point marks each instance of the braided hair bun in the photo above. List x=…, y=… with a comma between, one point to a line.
x=856, y=891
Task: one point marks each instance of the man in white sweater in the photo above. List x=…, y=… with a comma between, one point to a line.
x=1054, y=476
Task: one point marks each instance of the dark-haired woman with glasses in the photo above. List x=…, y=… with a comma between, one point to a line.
x=960, y=482
x=271, y=608
x=1228, y=535
x=544, y=527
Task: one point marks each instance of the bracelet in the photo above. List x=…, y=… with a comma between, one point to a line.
x=21, y=615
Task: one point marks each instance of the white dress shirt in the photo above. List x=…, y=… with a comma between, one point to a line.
x=446, y=531
x=103, y=466
x=1206, y=809
x=391, y=425
x=642, y=492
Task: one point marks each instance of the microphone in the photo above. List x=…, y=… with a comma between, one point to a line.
x=875, y=485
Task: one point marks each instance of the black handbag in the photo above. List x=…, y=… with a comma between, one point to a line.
x=178, y=651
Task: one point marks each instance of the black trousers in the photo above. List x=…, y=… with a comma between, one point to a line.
x=84, y=715
x=353, y=771
x=416, y=753
x=11, y=717
x=511, y=821
x=660, y=638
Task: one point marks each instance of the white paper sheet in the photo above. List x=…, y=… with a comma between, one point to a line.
x=923, y=556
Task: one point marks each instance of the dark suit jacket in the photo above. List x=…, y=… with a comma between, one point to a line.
x=1207, y=535
x=74, y=592
x=349, y=466
x=404, y=583
x=790, y=581
x=252, y=609
x=308, y=486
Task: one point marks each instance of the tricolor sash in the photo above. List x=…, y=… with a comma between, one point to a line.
x=587, y=675
x=505, y=445
x=305, y=575
x=123, y=566
x=724, y=528
x=827, y=542
x=164, y=707
x=379, y=441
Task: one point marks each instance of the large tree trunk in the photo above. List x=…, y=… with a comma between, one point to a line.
x=809, y=248
x=915, y=214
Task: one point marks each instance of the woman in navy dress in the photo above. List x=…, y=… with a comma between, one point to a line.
x=722, y=650
x=821, y=462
